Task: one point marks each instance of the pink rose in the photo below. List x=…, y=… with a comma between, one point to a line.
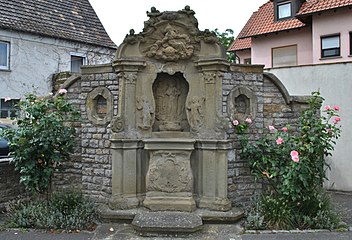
x=284, y=129
x=294, y=153
x=7, y=99
x=294, y=156
x=272, y=128
x=235, y=122
x=336, y=108
x=248, y=120
x=336, y=120
x=62, y=91
x=279, y=141
x=295, y=159
x=327, y=107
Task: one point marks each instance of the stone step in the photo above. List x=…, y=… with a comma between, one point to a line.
x=166, y=223
x=231, y=216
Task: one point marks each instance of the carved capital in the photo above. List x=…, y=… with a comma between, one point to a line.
x=209, y=77
x=128, y=77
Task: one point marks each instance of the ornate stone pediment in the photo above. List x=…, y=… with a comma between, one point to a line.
x=171, y=45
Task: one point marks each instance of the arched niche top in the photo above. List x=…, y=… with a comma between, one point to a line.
x=242, y=103
x=99, y=106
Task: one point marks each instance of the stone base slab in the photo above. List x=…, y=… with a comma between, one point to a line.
x=231, y=216
x=118, y=202
x=218, y=204
x=185, y=204
x=166, y=223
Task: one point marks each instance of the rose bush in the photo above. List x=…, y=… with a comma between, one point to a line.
x=293, y=164
x=43, y=138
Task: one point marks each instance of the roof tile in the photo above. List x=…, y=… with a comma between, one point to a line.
x=67, y=19
x=313, y=6
x=263, y=22
x=240, y=44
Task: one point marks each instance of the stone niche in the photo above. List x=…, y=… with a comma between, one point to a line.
x=169, y=149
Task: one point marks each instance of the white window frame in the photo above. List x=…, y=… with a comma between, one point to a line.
x=281, y=5
x=7, y=67
x=81, y=55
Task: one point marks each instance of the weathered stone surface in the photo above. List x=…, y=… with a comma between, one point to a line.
x=166, y=223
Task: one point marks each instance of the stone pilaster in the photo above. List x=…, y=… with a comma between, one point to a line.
x=211, y=174
x=127, y=173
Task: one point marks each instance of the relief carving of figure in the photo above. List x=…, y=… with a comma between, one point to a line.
x=196, y=116
x=172, y=93
x=147, y=112
x=172, y=47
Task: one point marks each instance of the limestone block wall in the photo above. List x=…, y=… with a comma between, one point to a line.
x=90, y=166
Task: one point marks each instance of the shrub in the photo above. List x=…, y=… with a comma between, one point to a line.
x=68, y=211
x=294, y=166
x=42, y=140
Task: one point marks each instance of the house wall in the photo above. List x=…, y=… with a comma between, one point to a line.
x=334, y=83
x=262, y=46
x=33, y=60
x=328, y=23
x=243, y=54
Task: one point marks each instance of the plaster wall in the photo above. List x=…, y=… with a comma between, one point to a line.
x=333, y=81
x=243, y=54
x=328, y=23
x=33, y=60
x=262, y=46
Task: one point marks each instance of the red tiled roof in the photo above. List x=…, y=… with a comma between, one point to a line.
x=313, y=6
x=263, y=22
x=240, y=44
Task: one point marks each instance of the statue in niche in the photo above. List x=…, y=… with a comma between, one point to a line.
x=147, y=112
x=170, y=94
x=196, y=116
x=242, y=110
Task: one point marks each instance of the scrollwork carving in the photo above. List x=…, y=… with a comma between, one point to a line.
x=173, y=46
x=209, y=77
x=117, y=124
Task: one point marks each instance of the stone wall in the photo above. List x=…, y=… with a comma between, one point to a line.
x=9, y=183
x=275, y=107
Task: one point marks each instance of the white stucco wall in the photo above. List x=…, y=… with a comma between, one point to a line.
x=262, y=46
x=334, y=83
x=330, y=22
x=33, y=60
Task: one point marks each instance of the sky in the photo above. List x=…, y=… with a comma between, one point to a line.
x=119, y=16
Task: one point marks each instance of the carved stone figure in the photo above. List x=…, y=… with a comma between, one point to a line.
x=196, y=116
x=170, y=93
x=147, y=112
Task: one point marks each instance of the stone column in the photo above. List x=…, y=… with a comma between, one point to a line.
x=127, y=173
x=211, y=164
x=169, y=180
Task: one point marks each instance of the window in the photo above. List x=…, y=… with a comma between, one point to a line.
x=8, y=108
x=330, y=46
x=76, y=63
x=284, y=56
x=247, y=61
x=4, y=55
x=284, y=10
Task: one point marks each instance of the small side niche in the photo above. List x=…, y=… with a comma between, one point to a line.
x=242, y=103
x=99, y=106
